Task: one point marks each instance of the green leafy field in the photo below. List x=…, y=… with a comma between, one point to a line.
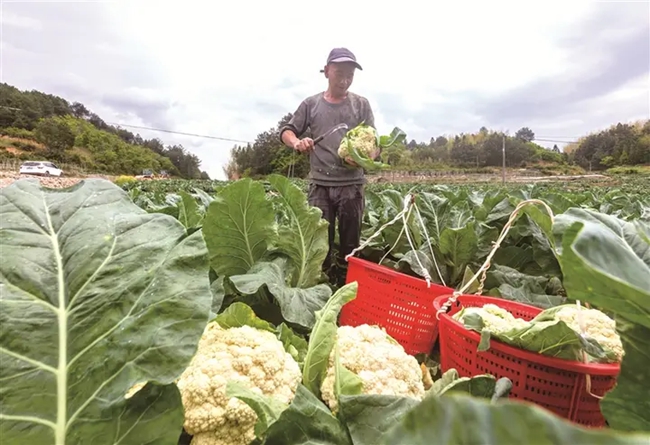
x=102, y=290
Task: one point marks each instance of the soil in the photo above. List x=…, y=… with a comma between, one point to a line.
x=7, y=178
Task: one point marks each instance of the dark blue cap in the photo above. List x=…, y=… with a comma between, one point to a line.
x=338, y=55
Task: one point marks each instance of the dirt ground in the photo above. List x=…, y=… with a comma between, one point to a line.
x=6, y=178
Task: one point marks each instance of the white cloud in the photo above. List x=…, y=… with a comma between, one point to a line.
x=234, y=70
x=10, y=19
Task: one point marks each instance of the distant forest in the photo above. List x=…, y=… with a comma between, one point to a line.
x=619, y=145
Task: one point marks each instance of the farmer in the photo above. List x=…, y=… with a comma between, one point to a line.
x=335, y=188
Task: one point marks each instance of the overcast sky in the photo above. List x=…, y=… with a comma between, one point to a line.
x=562, y=68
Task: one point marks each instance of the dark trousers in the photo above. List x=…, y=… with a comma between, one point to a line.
x=347, y=204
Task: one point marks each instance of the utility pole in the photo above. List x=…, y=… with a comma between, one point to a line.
x=503, y=153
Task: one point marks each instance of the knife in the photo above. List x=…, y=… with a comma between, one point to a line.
x=332, y=130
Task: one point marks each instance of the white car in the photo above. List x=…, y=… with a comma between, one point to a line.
x=45, y=168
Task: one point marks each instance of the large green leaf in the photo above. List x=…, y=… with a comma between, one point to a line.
x=433, y=209
x=346, y=382
x=369, y=417
x=477, y=386
x=397, y=136
x=302, y=236
x=323, y=337
x=293, y=343
x=238, y=227
x=606, y=262
x=238, y=315
x=297, y=305
x=267, y=408
x=307, y=421
x=189, y=212
x=508, y=283
x=458, y=419
x=97, y=296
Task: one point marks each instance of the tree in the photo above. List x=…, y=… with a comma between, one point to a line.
x=79, y=110
x=525, y=134
x=55, y=134
x=267, y=155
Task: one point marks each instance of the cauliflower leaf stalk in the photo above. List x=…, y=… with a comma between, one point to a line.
x=361, y=144
x=554, y=332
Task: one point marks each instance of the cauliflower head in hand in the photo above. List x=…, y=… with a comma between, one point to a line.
x=249, y=356
x=380, y=362
x=363, y=138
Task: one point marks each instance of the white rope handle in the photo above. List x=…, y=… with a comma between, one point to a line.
x=428, y=238
x=407, y=205
x=404, y=215
x=482, y=271
x=425, y=272
x=399, y=236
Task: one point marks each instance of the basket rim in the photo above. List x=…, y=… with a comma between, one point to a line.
x=415, y=281
x=600, y=369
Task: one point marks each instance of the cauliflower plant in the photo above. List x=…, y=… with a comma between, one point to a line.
x=380, y=362
x=597, y=325
x=252, y=357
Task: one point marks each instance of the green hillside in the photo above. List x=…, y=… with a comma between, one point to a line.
x=36, y=125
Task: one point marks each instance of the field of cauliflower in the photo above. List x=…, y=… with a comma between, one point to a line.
x=167, y=314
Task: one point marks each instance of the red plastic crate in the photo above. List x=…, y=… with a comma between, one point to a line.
x=401, y=304
x=556, y=384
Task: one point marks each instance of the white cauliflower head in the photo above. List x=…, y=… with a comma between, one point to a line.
x=495, y=319
x=597, y=325
x=363, y=138
x=381, y=363
x=249, y=356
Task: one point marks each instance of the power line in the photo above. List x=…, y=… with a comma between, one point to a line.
x=560, y=137
x=555, y=140
x=181, y=133
x=160, y=129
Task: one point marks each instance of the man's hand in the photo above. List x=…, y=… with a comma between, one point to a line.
x=303, y=145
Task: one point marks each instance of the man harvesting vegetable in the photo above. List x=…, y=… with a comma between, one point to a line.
x=336, y=185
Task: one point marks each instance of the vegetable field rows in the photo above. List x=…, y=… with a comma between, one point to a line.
x=106, y=295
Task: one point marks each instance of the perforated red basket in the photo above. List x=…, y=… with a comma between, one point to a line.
x=399, y=303
x=556, y=384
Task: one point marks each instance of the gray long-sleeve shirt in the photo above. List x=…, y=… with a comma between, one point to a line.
x=319, y=116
